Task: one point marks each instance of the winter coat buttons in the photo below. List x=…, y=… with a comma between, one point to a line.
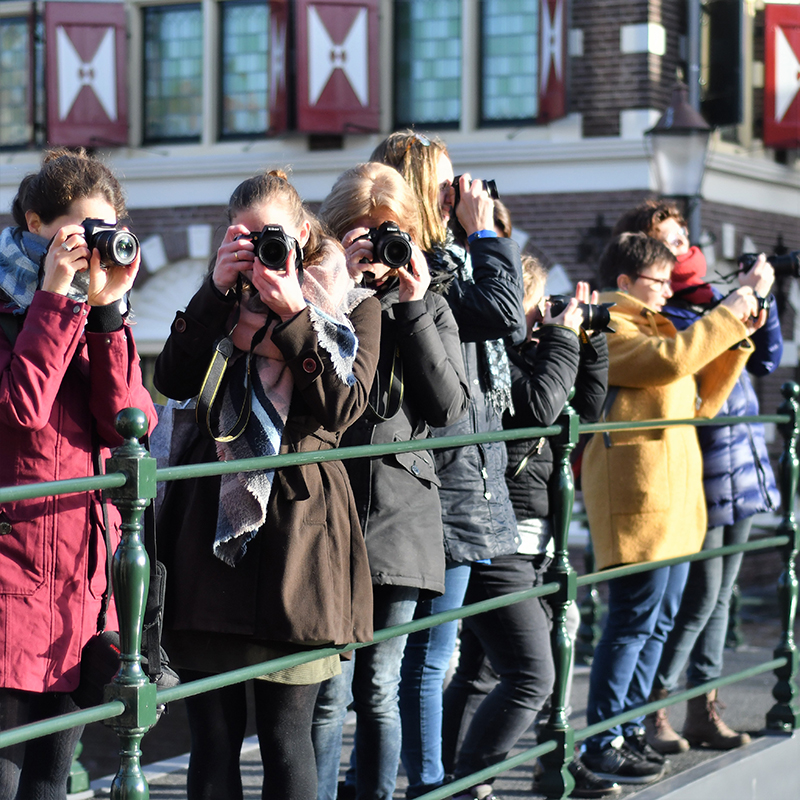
x=309, y=365
x=5, y=527
x=180, y=325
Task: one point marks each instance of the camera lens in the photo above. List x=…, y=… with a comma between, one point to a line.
x=272, y=253
x=124, y=248
x=396, y=253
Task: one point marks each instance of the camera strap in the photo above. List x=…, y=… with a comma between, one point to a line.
x=395, y=392
x=215, y=374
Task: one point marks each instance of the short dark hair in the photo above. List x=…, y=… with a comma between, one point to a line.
x=629, y=254
x=65, y=176
x=647, y=216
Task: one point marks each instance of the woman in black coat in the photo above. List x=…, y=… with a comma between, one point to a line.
x=556, y=356
x=420, y=382
x=481, y=279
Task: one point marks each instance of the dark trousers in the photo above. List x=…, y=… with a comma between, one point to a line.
x=516, y=640
x=39, y=769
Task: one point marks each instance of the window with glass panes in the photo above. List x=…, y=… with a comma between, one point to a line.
x=173, y=72
x=509, y=60
x=245, y=76
x=427, y=62
x=15, y=127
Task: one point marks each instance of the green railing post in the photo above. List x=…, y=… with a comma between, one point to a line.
x=131, y=578
x=591, y=610
x=557, y=781
x=785, y=714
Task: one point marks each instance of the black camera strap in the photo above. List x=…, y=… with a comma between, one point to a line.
x=395, y=392
x=215, y=374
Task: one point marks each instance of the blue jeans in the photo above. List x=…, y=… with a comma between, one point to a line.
x=370, y=680
x=641, y=612
x=702, y=622
x=425, y=664
x=516, y=640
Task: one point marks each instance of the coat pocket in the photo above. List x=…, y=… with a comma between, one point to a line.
x=23, y=546
x=638, y=476
x=419, y=464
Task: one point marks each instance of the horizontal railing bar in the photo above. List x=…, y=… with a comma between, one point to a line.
x=606, y=724
x=645, y=566
x=45, y=727
x=345, y=453
x=483, y=775
x=698, y=422
x=69, y=486
x=295, y=659
x=114, y=480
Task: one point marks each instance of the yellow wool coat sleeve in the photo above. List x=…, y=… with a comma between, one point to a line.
x=644, y=493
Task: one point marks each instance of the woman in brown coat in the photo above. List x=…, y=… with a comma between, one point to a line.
x=268, y=563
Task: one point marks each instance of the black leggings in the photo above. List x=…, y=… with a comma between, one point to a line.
x=217, y=723
x=39, y=769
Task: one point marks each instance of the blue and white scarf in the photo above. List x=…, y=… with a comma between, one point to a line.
x=21, y=253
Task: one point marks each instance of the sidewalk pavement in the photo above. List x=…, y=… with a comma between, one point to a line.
x=746, y=706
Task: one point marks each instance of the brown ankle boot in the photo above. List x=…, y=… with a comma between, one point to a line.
x=704, y=725
x=659, y=733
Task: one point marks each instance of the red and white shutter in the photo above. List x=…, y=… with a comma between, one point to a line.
x=337, y=66
x=86, y=80
x=553, y=22
x=782, y=76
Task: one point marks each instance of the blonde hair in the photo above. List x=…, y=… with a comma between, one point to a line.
x=366, y=190
x=416, y=158
x=534, y=278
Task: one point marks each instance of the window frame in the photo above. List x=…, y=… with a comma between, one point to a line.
x=220, y=91
x=141, y=98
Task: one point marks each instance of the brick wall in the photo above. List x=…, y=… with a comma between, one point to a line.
x=604, y=81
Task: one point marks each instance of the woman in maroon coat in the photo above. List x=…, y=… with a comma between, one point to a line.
x=68, y=365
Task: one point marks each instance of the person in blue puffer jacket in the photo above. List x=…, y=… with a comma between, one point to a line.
x=738, y=482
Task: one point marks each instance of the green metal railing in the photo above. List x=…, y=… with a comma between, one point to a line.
x=130, y=706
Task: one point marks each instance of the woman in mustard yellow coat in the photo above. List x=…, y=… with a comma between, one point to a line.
x=643, y=489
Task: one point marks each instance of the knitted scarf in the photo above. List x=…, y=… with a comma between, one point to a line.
x=244, y=496
x=687, y=278
x=21, y=253
x=453, y=261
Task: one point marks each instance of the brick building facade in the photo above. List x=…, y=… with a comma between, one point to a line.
x=549, y=98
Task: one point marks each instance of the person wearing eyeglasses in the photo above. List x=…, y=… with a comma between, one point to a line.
x=738, y=482
x=643, y=488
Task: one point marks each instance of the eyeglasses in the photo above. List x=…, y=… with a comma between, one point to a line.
x=662, y=282
x=417, y=137
x=678, y=238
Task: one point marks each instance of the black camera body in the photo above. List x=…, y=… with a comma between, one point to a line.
x=786, y=265
x=595, y=317
x=489, y=186
x=272, y=246
x=117, y=248
x=390, y=245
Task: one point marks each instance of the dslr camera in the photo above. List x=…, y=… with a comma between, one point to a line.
x=490, y=187
x=117, y=248
x=787, y=265
x=272, y=246
x=390, y=245
x=595, y=317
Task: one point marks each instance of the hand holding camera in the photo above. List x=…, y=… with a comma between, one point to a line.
x=473, y=203
x=109, y=252
x=744, y=304
x=759, y=277
x=386, y=245
x=415, y=279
